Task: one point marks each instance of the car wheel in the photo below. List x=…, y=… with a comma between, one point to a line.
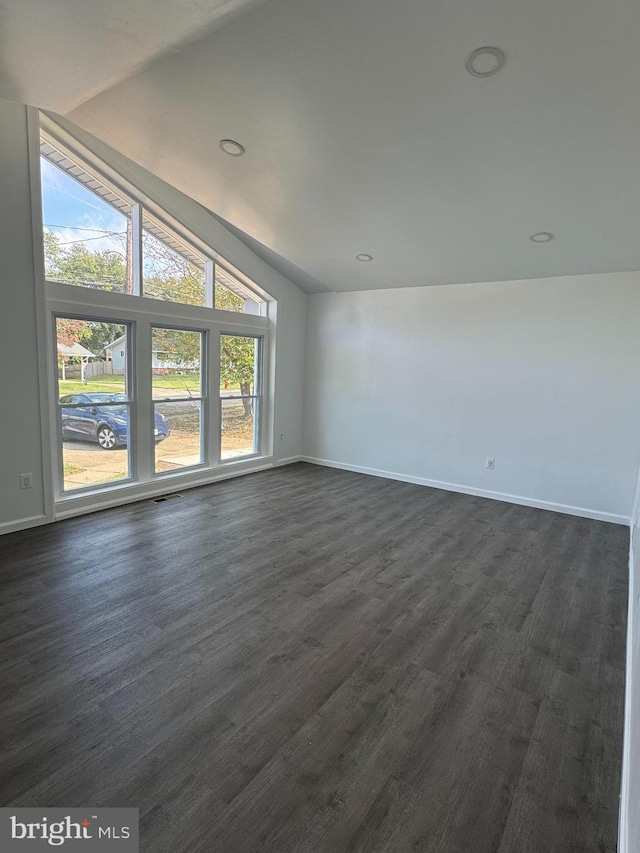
x=106, y=438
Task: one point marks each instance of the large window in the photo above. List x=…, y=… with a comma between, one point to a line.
x=138, y=304
x=240, y=379
x=101, y=236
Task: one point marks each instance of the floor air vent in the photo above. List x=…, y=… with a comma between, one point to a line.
x=165, y=498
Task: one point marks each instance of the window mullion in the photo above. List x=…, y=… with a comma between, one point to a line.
x=135, y=250
x=210, y=284
x=143, y=406
x=214, y=439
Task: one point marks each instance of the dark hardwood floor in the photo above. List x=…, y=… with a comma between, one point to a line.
x=313, y=660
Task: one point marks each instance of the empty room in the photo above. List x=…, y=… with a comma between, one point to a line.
x=320, y=426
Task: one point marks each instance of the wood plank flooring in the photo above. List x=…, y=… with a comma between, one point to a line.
x=308, y=659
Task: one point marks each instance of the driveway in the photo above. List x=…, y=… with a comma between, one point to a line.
x=86, y=464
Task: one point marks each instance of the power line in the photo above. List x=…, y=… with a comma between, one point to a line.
x=101, y=231
x=79, y=228
x=88, y=239
x=84, y=276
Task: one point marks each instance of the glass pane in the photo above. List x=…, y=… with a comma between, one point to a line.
x=177, y=430
x=170, y=270
x=87, y=239
x=92, y=359
x=94, y=444
x=93, y=402
x=175, y=362
x=238, y=365
x=238, y=429
x=232, y=295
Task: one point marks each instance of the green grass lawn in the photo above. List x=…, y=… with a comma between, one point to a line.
x=115, y=384
x=108, y=384
x=72, y=469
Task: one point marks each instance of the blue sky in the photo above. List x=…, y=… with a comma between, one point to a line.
x=68, y=207
x=76, y=215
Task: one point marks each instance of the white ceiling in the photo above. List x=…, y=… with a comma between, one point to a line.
x=363, y=132
x=58, y=53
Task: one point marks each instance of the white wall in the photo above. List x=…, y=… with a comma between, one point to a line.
x=20, y=439
x=630, y=794
x=426, y=383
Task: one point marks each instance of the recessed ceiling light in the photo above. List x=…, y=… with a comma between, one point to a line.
x=485, y=61
x=364, y=257
x=541, y=237
x=230, y=146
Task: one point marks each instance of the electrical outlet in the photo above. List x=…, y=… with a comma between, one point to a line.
x=281, y=438
x=26, y=481
x=490, y=463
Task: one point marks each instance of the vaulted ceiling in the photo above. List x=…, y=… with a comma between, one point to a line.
x=59, y=54
x=363, y=131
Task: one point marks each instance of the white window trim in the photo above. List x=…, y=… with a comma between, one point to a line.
x=55, y=299
x=260, y=421
x=119, y=308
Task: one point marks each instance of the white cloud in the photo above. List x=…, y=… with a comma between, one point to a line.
x=74, y=208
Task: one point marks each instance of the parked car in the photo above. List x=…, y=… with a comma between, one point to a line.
x=86, y=417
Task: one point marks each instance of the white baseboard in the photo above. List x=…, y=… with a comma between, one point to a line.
x=470, y=490
x=24, y=523
x=624, y=842
x=288, y=460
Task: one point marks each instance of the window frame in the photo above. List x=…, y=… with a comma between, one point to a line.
x=203, y=399
x=142, y=206
x=257, y=396
x=91, y=166
x=58, y=451
x=139, y=314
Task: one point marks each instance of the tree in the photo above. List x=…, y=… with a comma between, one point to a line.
x=169, y=275
x=70, y=332
x=80, y=265
x=77, y=264
x=52, y=252
x=100, y=334
x=177, y=345
x=228, y=300
x=237, y=365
